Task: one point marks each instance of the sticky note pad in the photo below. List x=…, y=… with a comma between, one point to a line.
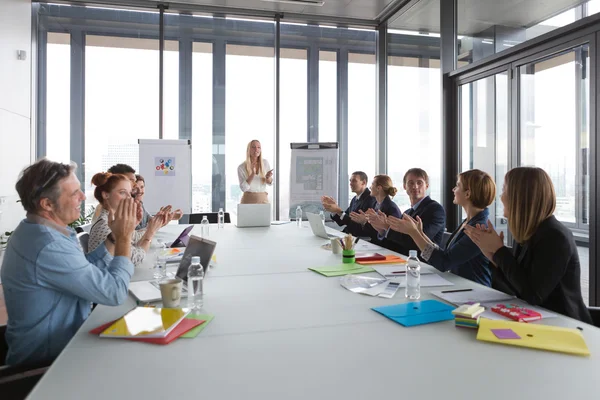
x=505, y=334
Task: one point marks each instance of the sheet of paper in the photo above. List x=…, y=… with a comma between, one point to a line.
x=363, y=245
x=474, y=295
x=489, y=314
x=429, y=280
x=387, y=271
x=195, y=331
x=363, y=284
x=390, y=290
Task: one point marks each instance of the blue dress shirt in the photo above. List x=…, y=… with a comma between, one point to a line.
x=49, y=285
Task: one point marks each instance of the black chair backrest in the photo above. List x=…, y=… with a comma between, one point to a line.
x=445, y=237
x=3, y=344
x=212, y=217
x=84, y=238
x=595, y=313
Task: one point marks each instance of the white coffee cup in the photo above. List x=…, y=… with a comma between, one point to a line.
x=336, y=246
x=170, y=291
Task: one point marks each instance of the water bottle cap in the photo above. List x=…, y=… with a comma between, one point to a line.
x=220, y=209
x=195, y=260
x=412, y=253
x=204, y=217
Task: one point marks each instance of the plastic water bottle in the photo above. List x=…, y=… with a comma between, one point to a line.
x=221, y=220
x=204, y=226
x=299, y=216
x=413, y=276
x=322, y=215
x=195, y=284
x=160, y=266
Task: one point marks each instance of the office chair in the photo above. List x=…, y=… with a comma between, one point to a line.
x=84, y=238
x=213, y=218
x=17, y=381
x=595, y=313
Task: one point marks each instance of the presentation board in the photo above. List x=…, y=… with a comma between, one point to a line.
x=313, y=173
x=166, y=166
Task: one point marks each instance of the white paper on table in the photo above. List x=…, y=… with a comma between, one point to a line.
x=474, y=295
x=428, y=280
x=489, y=314
x=364, y=245
x=386, y=270
x=363, y=284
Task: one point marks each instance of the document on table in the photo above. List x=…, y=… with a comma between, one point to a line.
x=394, y=271
x=363, y=245
x=489, y=314
x=428, y=280
x=363, y=284
x=474, y=295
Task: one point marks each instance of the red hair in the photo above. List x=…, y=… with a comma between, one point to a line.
x=105, y=182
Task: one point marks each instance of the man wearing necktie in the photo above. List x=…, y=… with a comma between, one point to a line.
x=361, y=202
x=416, y=183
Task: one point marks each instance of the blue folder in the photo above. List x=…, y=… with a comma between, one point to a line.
x=417, y=312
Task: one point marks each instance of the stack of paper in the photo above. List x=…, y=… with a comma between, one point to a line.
x=146, y=323
x=467, y=315
x=342, y=269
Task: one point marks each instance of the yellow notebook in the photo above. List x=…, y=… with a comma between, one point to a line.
x=543, y=337
x=146, y=322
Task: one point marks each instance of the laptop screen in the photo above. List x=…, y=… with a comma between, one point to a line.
x=197, y=246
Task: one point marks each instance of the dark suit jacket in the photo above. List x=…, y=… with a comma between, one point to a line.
x=544, y=271
x=434, y=222
x=364, y=203
x=462, y=256
x=388, y=207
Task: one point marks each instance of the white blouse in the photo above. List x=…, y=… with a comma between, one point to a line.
x=256, y=186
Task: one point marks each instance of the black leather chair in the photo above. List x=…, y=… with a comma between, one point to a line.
x=595, y=313
x=213, y=218
x=445, y=237
x=17, y=381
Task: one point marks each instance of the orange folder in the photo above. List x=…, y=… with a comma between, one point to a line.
x=391, y=259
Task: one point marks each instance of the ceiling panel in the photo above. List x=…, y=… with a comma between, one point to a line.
x=475, y=16
x=367, y=10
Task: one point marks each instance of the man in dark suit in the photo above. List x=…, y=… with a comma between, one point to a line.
x=391, y=235
x=361, y=202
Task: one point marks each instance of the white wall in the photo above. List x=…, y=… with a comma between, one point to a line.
x=15, y=106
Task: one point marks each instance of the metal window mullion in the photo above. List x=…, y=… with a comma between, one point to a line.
x=313, y=94
x=277, y=192
x=185, y=87
x=161, y=71
x=77, y=103
x=381, y=138
x=594, y=118
x=342, y=124
x=218, y=113
x=42, y=90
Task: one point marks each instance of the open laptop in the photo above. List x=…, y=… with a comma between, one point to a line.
x=317, y=227
x=251, y=215
x=183, y=238
x=148, y=291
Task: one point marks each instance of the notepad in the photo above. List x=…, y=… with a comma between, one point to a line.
x=473, y=295
x=542, y=337
x=146, y=322
x=417, y=312
x=342, y=269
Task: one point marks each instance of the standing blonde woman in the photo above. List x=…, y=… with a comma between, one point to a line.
x=255, y=174
x=542, y=267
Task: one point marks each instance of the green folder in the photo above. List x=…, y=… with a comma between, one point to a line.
x=194, y=332
x=343, y=269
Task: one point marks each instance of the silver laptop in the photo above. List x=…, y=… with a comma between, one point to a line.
x=149, y=291
x=250, y=215
x=316, y=224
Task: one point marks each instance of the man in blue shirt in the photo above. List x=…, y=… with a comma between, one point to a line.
x=49, y=284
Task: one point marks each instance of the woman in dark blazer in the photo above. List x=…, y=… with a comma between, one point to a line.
x=543, y=266
x=382, y=189
x=475, y=190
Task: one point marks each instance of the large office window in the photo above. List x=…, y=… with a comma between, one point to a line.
x=250, y=110
x=58, y=97
x=486, y=27
x=204, y=178
x=328, y=96
x=292, y=117
x=361, y=115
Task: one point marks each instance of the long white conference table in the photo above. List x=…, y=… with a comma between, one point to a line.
x=283, y=332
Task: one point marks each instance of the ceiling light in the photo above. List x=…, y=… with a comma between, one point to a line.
x=315, y=3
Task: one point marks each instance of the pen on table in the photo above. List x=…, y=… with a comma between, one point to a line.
x=398, y=272
x=342, y=243
x=457, y=290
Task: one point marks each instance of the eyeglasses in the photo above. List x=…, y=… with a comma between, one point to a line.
x=41, y=189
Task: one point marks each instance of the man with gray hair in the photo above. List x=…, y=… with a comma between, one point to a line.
x=49, y=284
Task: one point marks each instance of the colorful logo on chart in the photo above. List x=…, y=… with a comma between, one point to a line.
x=164, y=166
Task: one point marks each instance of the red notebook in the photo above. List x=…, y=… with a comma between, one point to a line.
x=517, y=313
x=369, y=257
x=185, y=325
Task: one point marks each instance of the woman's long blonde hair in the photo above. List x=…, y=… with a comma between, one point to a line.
x=261, y=172
x=530, y=199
